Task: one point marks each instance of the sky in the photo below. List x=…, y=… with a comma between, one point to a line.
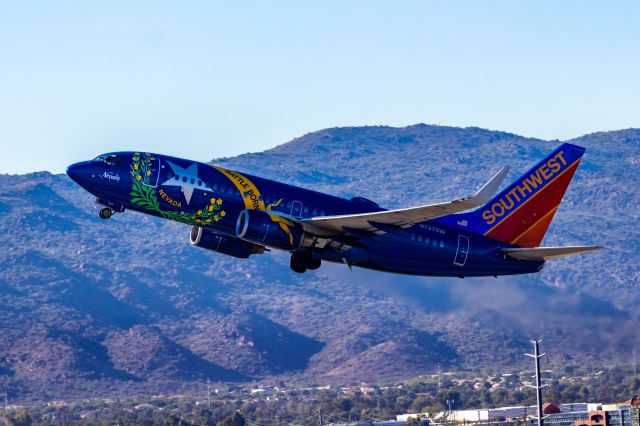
x=205, y=80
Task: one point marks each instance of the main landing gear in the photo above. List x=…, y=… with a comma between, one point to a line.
x=301, y=261
x=105, y=213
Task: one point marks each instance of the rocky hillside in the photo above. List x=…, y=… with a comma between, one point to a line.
x=127, y=305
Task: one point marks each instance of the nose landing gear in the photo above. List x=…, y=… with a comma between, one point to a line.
x=105, y=213
x=108, y=208
x=301, y=261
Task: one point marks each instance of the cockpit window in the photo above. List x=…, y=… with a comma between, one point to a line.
x=111, y=160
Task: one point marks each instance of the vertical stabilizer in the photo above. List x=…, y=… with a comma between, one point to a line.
x=522, y=212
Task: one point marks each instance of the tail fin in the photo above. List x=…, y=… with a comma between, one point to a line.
x=522, y=212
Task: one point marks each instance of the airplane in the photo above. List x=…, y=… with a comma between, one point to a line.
x=240, y=215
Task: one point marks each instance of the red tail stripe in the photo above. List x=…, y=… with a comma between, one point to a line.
x=533, y=236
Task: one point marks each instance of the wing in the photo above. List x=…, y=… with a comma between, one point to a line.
x=404, y=218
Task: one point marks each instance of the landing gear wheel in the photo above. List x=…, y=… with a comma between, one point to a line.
x=297, y=265
x=313, y=264
x=302, y=261
x=105, y=213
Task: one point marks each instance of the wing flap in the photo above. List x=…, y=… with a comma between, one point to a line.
x=405, y=218
x=547, y=253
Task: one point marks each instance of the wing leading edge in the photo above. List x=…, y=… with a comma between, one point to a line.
x=404, y=218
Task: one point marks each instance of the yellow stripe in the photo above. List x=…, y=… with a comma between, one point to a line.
x=552, y=211
x=253, y=200
x=534, y=195
x=248, y=191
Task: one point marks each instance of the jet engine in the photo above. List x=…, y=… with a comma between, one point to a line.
x=222, y=243
x=271, y=229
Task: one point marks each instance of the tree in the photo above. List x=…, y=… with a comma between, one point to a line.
x=412, y=421
x=21, y=418
x=235, y=419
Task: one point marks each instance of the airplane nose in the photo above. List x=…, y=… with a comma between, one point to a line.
x=77, y=171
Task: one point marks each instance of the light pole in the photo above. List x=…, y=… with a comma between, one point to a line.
x=538, y=386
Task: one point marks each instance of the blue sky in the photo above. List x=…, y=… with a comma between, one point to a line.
x=211, y=79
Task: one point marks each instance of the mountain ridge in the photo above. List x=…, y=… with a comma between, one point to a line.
x=79, y=293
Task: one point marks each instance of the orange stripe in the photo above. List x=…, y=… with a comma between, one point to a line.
x=534, y=195
x=551, y=212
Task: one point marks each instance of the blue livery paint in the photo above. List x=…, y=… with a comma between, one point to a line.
x=240, y=214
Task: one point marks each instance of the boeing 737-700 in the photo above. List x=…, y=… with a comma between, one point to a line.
x=240, y=215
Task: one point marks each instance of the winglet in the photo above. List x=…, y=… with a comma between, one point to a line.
x=489, y=189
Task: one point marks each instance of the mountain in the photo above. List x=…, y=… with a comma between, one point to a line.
x=93, y=307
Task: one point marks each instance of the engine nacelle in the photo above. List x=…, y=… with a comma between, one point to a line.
x=221, y=243
x=271, y=229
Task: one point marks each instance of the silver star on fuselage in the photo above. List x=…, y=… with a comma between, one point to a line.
x=187, y=180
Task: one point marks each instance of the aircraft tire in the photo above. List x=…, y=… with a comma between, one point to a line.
x=105, y=213
x=314, y=264
x=297, y=264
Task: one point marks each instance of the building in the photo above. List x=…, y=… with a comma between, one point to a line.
x=488, y=415
x=623, y=414
x=626, y=413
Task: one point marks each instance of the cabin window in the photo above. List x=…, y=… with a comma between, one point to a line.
x=176, y=177
x=184, y=178
x=441, y=244
x=289, y=205
x=426, y=240
x=215, y=186
x=322, y=213
x=413, y=236
x=199, y=182
x=192, y=181
x=315, y=212
x=435, y=243
x=420, y=238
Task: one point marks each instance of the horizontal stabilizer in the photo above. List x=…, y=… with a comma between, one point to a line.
x=547, y=253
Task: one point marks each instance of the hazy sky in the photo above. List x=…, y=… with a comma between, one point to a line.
x=210, y=79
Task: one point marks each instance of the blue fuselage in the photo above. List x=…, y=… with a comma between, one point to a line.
x=210, y=197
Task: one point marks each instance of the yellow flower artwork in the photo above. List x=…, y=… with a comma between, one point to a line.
x=143, y=194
